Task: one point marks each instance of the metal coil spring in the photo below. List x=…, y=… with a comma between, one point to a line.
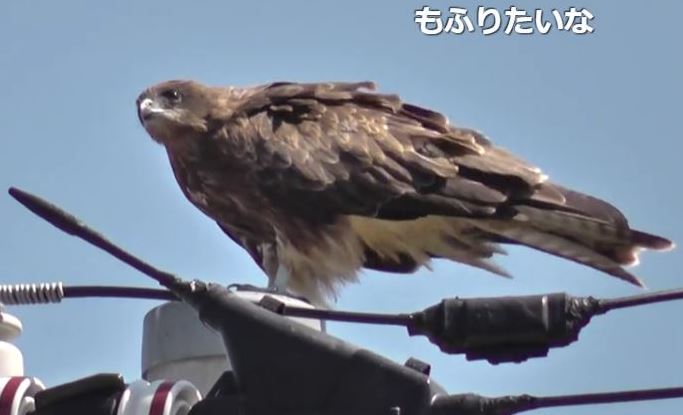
x=41, y=293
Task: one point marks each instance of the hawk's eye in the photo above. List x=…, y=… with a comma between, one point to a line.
x=173, y=95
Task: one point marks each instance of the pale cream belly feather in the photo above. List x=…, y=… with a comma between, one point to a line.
x=325, y=265
x=431, y=236
x=339, y=251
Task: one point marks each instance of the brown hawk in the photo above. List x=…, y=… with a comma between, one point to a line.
x=317, y=181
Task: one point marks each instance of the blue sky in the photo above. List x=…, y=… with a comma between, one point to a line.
x=600, y=113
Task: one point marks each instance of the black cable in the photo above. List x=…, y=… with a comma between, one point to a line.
x=608, y=397
x=54, y=292
x=347, y=316
x=603, y=306
x=84, y=291
x=21, y=294
x=641, y=299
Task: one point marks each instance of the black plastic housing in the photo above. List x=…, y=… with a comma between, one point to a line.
x=281, y=366
x=504, y=329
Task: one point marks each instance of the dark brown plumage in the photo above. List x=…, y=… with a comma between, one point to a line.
x=316, y=181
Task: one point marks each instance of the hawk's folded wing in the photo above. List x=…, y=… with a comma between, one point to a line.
x=330, y=149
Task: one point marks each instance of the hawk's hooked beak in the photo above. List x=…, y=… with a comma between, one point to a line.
x=147, y=109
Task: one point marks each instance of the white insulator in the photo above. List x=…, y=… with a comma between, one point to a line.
x=11, y=359
x=158, y=398
x=177, y=345
x=16, y=395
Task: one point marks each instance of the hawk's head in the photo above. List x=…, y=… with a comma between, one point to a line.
x=176, y=110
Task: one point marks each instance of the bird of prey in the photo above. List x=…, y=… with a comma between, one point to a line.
x=319, y=180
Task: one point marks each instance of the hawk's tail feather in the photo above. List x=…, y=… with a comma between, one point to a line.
x=650, y=241
x=561, y=247
x=628, y=255
x=605, y=246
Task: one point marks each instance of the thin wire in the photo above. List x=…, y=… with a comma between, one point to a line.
x=348, y=316
x=84, y=291
x=641, y=299
x=42, y=293
x=323, y=314
x=602, y=398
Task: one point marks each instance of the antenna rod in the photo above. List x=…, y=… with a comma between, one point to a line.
x=70, y=224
